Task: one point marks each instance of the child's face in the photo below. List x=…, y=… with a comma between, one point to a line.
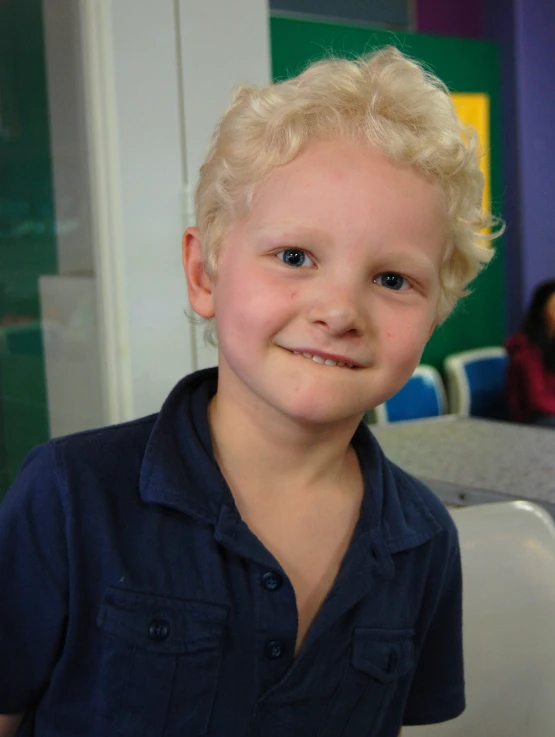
x=549, y=312
x=339, y=258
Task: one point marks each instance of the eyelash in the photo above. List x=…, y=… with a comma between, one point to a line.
x=396, y=274
x=299, y=251
x=407, y=283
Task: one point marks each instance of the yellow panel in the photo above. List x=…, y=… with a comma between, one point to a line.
x=473, y=109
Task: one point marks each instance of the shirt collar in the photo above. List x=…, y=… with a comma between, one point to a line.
x=178, y=468
x=393, y=500
x=179, y=471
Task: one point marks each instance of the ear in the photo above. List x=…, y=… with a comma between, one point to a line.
x=199, y=284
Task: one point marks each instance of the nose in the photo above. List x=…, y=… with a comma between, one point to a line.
x=337, y=310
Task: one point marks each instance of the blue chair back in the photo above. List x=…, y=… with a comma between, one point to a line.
x=476, y=382
x=422, y=396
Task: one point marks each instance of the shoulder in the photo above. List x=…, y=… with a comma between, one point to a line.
x=412, y=490
x=419, y=509
x=520, y=347
x=78, y=464
x=516, y=341
x=409, y=513
x=108, y=447
x=406, y=507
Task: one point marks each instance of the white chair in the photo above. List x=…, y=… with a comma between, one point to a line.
x=422, y=396
x=476, y=382
x=508, y=559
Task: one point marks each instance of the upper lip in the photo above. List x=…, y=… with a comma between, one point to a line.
x=333, y=356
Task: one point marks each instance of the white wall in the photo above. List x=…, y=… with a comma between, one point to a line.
x=156, y=76
x=223, y=44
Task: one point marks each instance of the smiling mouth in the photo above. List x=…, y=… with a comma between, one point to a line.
x=325, y=361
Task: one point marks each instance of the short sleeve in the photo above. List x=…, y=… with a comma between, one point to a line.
x=437, y=692
x=33, y=582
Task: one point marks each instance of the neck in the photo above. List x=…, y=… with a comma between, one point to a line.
x=264, y=453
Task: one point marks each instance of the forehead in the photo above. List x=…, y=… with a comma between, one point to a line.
x=336, y=185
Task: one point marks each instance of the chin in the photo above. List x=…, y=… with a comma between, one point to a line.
x=321, y=411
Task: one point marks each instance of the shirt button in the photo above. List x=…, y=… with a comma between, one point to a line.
x=274, y=649
x=272, y=581
x=159, y=630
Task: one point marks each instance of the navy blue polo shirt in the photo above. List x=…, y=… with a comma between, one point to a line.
x=134, y=600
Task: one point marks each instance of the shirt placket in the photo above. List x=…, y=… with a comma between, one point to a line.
x=276, y=626
x=275, y=609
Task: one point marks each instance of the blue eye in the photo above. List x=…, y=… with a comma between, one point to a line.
x=295, y=257
x=392, y=280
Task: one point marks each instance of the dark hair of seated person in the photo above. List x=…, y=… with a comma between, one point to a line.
x=535, y=327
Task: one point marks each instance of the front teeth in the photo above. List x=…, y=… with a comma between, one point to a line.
x=325, y=361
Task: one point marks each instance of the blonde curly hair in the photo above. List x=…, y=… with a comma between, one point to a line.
x=383, y=99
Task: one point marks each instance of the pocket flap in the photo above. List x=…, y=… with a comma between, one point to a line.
x=166, y=625
x=383, y=654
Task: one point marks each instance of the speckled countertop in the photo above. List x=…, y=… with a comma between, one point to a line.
x=472, y=453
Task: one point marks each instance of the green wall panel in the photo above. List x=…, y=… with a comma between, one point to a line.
x=465, y=65
x=27, y=234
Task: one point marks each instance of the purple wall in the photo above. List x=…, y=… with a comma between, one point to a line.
x=525, y=32
x=535, y=93
x=450, y=17
x=500, y=27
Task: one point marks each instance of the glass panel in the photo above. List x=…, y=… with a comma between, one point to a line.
x=48, y=340
x=27, y=238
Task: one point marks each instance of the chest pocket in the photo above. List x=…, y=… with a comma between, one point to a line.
x=160, y=663
x=379, y=658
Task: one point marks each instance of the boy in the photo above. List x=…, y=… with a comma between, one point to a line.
x=247, y=562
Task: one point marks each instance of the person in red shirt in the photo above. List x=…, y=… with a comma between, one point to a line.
x=531, y=370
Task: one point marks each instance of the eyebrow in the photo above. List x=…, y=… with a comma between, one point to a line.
x=404, y=256
x=292, y=231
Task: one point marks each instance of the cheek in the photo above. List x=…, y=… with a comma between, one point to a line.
x=405, y=326
x=248, y=305
x=406, y=340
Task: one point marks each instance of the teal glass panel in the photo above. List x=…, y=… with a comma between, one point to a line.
x=27, y=234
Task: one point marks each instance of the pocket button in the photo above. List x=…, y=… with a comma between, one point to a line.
x=159, y=630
